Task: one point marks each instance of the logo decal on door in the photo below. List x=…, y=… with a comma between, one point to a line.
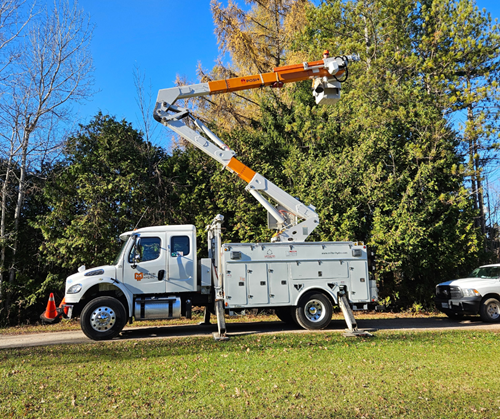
x=139, y=276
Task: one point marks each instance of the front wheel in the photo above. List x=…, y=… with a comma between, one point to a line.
x=314, y=311
x=103, y=318
x=490, y=310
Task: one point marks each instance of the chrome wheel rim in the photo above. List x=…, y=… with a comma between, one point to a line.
x=314, y=311
x=102, y=319
x=493, y=311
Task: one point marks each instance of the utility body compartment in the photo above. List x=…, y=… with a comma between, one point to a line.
x=277, y=274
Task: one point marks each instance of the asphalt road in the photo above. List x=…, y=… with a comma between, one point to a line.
x=235, y=329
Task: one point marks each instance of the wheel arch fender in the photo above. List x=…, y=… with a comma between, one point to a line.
x=327, y=292
x=490, y=295
x=112, y=288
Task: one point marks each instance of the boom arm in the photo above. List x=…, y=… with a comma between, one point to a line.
x=325, y=73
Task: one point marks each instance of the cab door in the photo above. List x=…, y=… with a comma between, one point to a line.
x=145, y=265
x=181, y=262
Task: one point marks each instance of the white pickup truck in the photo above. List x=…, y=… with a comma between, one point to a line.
x=477, y=294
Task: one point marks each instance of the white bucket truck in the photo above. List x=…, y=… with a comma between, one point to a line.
x=157, y=274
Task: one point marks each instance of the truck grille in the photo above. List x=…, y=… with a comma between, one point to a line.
x=447, y=292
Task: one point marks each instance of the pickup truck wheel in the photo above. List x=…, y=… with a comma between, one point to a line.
x=286, y=315
x=314, y=311
x=103, y=318
x=490, y=310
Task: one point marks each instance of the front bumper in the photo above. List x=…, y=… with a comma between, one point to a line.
x=464, y=305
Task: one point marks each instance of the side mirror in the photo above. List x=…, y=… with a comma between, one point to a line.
x=136, y=258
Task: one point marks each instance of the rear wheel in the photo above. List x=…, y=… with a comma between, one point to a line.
x=490, y=310
x=103, y=318
x=314, y=311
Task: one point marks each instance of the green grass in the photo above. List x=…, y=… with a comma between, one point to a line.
x=453, y=374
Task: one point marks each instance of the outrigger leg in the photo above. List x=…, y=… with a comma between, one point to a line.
x=214, y=252
x=352, y=327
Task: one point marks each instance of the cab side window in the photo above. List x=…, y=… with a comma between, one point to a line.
x=148, y=249
x=179, y=246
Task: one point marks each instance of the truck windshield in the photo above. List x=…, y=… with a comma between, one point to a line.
x=487, y=272
x=124, y=245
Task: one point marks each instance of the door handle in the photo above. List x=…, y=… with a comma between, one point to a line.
x=161, y=274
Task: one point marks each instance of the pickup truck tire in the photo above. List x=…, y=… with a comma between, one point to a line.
x=286, y=315
x=103, y=318
x=490, y=310
x=314, y=311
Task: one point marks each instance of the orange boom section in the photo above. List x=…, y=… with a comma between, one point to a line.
x=244, y=172
x=280, y=75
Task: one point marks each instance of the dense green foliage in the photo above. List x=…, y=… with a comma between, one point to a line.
x=410, y=375
x=107, y=181
x=387, y=164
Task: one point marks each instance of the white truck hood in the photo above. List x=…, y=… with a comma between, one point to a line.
x=109, y=271
x=470, y=281
x=479, y=284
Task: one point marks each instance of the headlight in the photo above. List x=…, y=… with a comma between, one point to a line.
x=96, y=272
x=470, y=292
x=74, y=289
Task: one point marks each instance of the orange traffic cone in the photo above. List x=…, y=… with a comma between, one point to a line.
x=62, y=309
x=50, y=314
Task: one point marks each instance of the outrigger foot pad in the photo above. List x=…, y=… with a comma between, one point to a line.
x=357, y=334
x=218, y=337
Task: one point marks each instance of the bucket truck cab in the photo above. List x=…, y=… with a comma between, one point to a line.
x=154, y=269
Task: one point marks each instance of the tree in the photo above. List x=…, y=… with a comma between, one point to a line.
x=52, y=70
x=107, y=183
x=145, y=102
x=257, y=40
x=12, y=25
x=459, y=47
x=392, y=163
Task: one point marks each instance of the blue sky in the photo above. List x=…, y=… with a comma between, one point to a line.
x=161, y=38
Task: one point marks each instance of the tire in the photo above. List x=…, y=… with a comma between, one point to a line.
x=314, y=311
x=286, y=315
x=103, y=318
x=490, y=310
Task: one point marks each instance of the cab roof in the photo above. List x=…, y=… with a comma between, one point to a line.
x=159, y=229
